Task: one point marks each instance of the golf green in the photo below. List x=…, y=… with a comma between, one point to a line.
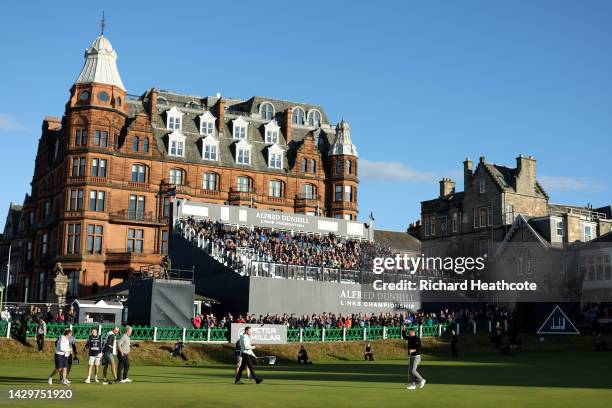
x=527, y=380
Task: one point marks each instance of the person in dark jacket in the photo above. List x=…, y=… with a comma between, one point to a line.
x=454, y=339
x=94, y=348
x=368, y=354
x=302, y=356
x=414, y=353
x=41, y=332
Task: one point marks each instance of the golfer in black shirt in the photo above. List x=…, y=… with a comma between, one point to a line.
x=414, y=352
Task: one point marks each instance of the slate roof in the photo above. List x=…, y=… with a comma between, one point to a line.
x=505, y=178
x=397, y=240
x=192, y=106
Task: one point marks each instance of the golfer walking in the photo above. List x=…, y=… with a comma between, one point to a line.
x=123, y=348
x=248, y=357
x=62, y=351
x=414, y=353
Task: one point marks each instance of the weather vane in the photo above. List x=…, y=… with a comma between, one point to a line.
x=102, y=24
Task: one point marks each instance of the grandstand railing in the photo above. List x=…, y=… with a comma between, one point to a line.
x=222, y=334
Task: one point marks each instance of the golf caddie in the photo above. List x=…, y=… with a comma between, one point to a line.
x=248, y=357
x=414, y=354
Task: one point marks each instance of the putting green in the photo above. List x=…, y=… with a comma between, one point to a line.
x=529, y=380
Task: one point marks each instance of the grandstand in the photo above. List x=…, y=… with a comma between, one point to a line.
x=264, y=262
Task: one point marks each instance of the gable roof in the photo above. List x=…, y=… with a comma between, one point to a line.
x=397, y=240
x=520, y=222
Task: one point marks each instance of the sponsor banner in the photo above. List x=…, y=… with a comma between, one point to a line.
x=261, y=333
x=271, y=219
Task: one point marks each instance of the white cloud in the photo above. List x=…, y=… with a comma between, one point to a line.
x=6, y=123
x=555, y=183
x=391, y=171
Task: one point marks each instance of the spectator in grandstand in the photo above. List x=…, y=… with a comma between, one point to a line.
x=5, y=315
x=368, y=354
x=62, y=351
x=414, y=353
x=41, y=332
x=123, y=346
x=454, y=339
x=197, y=321
x=109, y=351
x=248, y=357
x=93, y=345
x=71, y=316
x=303, y=356
x=600, y=344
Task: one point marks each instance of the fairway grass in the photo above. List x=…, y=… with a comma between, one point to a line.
x=528, y=380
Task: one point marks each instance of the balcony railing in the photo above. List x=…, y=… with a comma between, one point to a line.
x=336, y=205
x=123, y=255
x=137, y=217
x=306, y=201
x=274, y=200
x=236, y=195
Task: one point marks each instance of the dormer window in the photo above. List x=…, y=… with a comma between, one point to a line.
x=243, y=152
x=210, y=148
x=176, y=144
x=239, y=128
x=314, y=118
x=275, y=157
x=272, y=131
x=297, y=118
x=174, y=119
x=207, y=123
x=266, y=111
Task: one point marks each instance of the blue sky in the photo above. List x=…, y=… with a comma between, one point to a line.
x=423, y=84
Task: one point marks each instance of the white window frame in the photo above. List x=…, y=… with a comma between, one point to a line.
x=174, y=119
x=207, y=124
x=261, y=108
x=210, y=179
x=586, y=237
x=243, y=153
x=210, y=148
x=482, y=186
x=272, y=132
x=275, y=188
x=176, y=144
x=240, y=128
x=559, y=227
x=310, y=116
x=293, y=114
x=275, y=157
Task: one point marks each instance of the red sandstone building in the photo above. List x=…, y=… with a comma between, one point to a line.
x=99, y=202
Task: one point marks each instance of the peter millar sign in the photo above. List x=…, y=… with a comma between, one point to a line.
x=261, y=333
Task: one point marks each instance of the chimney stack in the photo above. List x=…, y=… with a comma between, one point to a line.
x=467, y=173
x=51, y=123
x=447, y=186
x=152, y=102
x=220, y=109
x=526, y=174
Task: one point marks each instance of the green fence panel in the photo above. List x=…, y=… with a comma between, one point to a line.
x=394, y=332
x=82, y=331
x=312, y=334
x=146, y=333
x=354, y=333
x=374, y=333
x=429, y=331
x=219, y=334
x=54, y=330
x=333, y=334
x=193, y=334
x=293, y=335
x=3, y=327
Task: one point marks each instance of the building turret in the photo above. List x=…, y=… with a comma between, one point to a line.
x=342, y=197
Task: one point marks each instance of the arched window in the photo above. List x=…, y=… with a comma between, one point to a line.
x=349, y=167
x=135, y=143
x=314, y=118
x=161, y=100
x=338, y=166
x=176, y=176
x=313, y=166
x=304, y=165
x=298, y=116
x=309, y=191
x=145, y=145
x=276, y=188
x=267, y=111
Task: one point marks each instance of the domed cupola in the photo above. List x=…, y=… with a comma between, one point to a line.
x=343, y=145
x=100, y=64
